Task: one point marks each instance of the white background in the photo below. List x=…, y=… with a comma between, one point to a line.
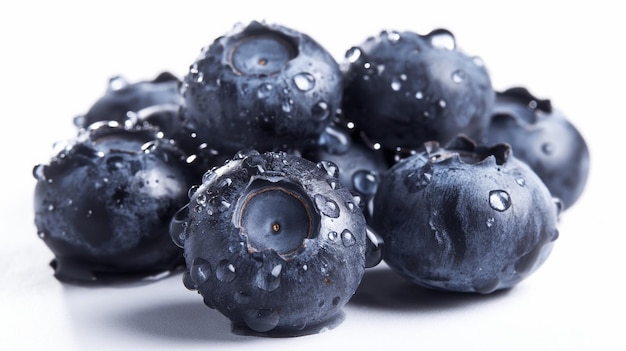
x=58, y=55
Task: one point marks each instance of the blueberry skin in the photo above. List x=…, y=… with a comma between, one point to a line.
x=403, y=89
x=544, y=138
x=465, y=218
x=104, y=202
x=270, y=282
x=122, y=97
x=359, y=167
x=264, y=87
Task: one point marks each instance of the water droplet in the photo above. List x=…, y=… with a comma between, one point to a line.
x=287, y=105
x=117, y=83
x=347, y=238
x=268, y=281
x=547, y=148
x=373, y=248
x=335, y=141
x=320, y=111
x=326, y=206
x=225, y=182
x=200, y=271
x=396, y=82
x=333, y=235
x=393, y=36
x=478, y=61
x=50, y=207
x=209, y=176
x=201, y=200
x=241, y=154
x=332, y=183
x=499, y=200
x=331, y=169
x=225, y=271
x=261, y=320
x=365, y=182
x=42, y=234
x=255, y=161
x=353, y=54
x=490, y=222
x=418, y=179
x=192, y=191
x=443, y=103
x=352, y=207
x=177, y=227
x=520, y=181
x=304, y=81
x=264, y=91
x=442, y=39
x=485, y=285
x=39, y=172
x=419, y=95
x=458, y=76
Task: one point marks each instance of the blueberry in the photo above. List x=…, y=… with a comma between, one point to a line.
x=104, y=202
x=403, y=89
x=264, y=87
x=359, y=166
x=544, y=138
x=123, y=99
x=274, y=242
x=465, y=217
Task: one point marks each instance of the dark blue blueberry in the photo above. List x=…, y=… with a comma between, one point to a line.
x=544, y=138
x=403, y=89
x=274, y=242
x=359, y=165
x=104, y=202
x=264, y=87
x=465, y=218
x=123, y=100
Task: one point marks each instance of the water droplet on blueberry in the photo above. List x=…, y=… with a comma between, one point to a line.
x=304, y=81
x=320, y=111
x=225, y=271
x=261, y=320
x=353, y=54
x=328, y=207
x=200, y=271
x=499, y=200
x=442, y=39
x=365, y=182
x=458, y=76
x=347, y=238
x=264, y=91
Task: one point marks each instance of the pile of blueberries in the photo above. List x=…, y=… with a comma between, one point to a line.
x=273, y=176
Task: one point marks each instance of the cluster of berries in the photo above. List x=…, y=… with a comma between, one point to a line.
x=274, y=176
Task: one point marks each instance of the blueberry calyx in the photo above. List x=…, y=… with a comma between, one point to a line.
x=261, y=52
x=282, y=231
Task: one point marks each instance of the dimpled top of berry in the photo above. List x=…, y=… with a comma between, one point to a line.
x=274, y=242
x=261, y=86
x=403, y=89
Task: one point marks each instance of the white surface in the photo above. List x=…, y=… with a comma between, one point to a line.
x=58, y=55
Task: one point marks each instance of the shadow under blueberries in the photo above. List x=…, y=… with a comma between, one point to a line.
x=182, y=320
x=383, y=288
